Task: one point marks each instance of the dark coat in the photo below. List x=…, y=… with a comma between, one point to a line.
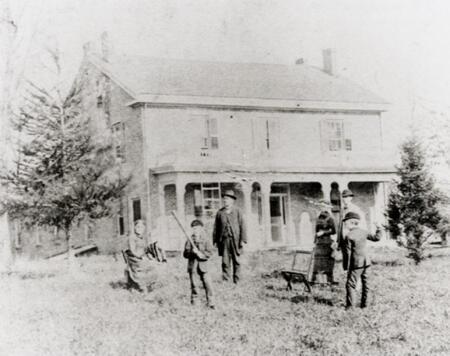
x=204, y=245
x=357, y=249
x=342, y=231
x=325, y=224
x=238, y=228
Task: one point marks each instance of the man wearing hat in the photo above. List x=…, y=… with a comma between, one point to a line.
x=347, y=207
x=229, y=235
x=358, y=261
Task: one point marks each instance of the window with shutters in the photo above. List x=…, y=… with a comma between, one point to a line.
x=272, y=133
x=335, y=137
x=118, y=136
x=265, y=133
x=211, y=138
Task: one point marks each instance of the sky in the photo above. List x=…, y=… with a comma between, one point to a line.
x=398, y=49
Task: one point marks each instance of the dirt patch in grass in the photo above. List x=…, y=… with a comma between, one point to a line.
x=89, y=311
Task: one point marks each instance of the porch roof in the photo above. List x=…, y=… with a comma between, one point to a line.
x=268, y=169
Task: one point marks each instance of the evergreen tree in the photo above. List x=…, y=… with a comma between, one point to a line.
x=413, y=208
x=62, y=173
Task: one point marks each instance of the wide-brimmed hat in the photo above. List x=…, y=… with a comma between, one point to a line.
x=229, y=193
x=351, y=215
x=347, y=193
x=196, y=222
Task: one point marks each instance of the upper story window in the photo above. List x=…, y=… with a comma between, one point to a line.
x=118, y=135
x=211, y=138
x=335, y=136
x=272, y=133
x=265, y=133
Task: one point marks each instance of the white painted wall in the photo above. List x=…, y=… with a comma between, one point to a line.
x=175, y=136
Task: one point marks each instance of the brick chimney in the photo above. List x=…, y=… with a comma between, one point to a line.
x=329, y=61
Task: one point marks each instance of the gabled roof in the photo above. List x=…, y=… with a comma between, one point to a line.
x=145, y=77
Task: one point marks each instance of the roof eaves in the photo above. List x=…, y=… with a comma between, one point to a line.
x=255, y=103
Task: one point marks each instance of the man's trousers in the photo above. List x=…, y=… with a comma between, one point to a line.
x=352, y=280
x=229, y=259
x=204, y=277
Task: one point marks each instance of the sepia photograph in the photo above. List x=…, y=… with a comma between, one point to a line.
x=224, y=177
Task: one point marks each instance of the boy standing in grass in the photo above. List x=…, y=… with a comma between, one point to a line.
x=358, y=261
x=198, y=256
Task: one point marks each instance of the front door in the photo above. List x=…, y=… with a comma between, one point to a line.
x=278, y=217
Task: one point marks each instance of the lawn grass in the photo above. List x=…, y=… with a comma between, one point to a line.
x=46, y=309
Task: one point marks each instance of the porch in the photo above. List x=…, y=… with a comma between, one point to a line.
x=280, y=209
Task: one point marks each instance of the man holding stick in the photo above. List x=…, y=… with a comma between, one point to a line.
x=229, y=235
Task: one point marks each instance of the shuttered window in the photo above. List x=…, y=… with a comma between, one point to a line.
x=211, y=138
x=272, y=133
x=335, y=136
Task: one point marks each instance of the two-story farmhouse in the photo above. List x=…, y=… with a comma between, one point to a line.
x=284, y=137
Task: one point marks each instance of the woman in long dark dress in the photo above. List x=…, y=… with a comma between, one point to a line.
x=323, y=252
x=142, y=259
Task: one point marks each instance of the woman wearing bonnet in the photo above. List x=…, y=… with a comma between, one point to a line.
x=142, y=259
x=324, y=246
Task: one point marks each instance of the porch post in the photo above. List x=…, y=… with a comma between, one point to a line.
x=343, y=184
x=380, y=205
x=162, y=199
x=180, y=191
x=246, y=188
x=326, y=190
x=162, y=221
x=265, y=200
